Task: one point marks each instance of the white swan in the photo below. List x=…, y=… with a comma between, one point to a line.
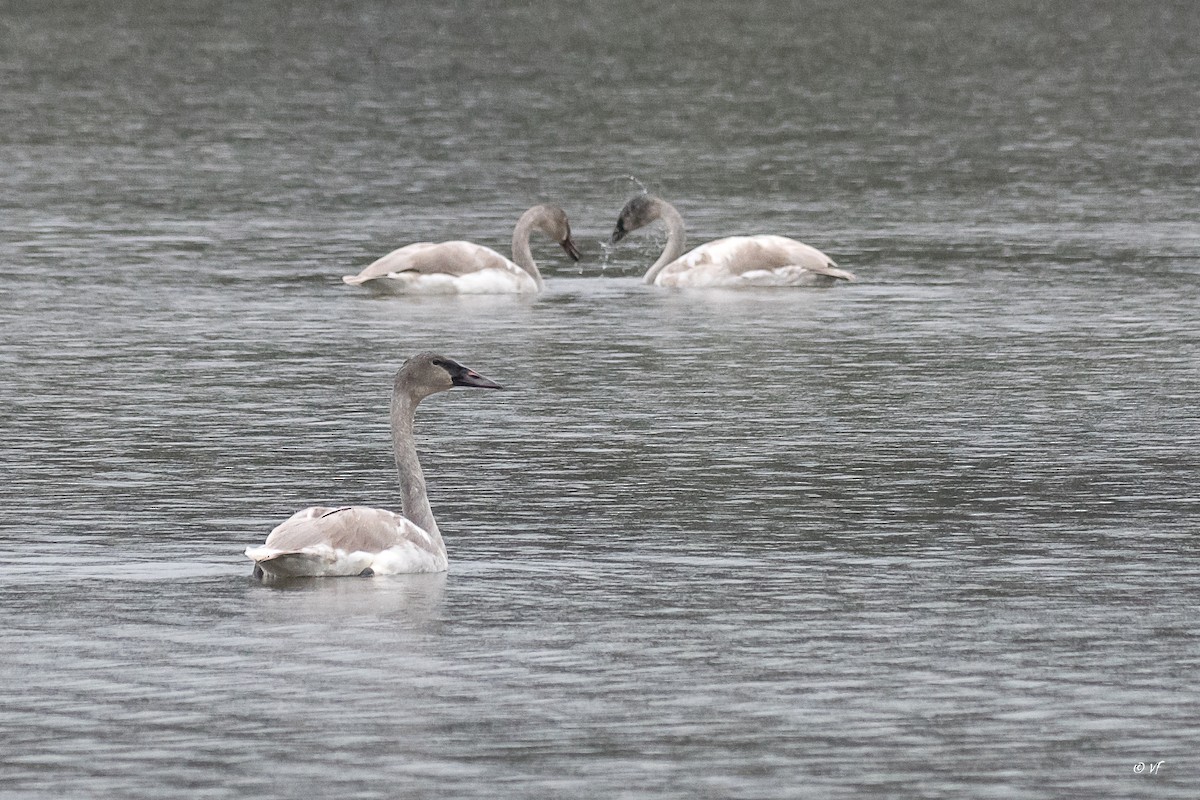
x=358, y=540
x=466, y=268
x=731, y=262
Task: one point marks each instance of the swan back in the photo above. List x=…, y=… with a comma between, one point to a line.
x=460, y=267
x=745, y=261
x=445, y=268
x=322, y=541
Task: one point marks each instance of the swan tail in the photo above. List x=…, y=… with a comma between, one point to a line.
x=831, y=270
x=290, y=565
x=310, y=562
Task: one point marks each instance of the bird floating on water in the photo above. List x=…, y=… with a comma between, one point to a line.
x=460, y=267
x=735, y=261
x=360, y=540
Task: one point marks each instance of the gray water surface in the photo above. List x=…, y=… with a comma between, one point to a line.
x=928, y=535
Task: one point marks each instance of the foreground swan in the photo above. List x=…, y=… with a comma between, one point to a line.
x=468, y=268
x=358, y=540
x=733, y=261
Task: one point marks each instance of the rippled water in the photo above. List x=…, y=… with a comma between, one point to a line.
x=928, y=535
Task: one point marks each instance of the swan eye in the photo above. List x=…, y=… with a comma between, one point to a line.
x=451, y=367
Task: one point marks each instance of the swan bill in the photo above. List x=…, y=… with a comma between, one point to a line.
x=473, y=380
x=571, y=248
x=464, y=376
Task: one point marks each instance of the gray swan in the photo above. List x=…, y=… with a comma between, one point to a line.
x=359, y=540
x=466, y=268
x=735, y=261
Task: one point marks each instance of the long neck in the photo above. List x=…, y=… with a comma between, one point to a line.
x=675, y=240
x=522, y=255
x=413, y=498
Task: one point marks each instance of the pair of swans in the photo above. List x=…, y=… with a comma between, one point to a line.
x=467, y=268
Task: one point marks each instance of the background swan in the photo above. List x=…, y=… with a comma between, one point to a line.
x=468, y=268
x=734, y=261
x=359, y=540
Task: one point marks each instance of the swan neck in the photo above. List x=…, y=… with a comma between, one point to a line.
x=414, y=501
x=521, y=254
x=675, y=240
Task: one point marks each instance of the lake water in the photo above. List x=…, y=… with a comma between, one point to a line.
x=932, y=534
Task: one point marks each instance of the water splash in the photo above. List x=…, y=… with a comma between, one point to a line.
x=607, y=248
x=641, y=186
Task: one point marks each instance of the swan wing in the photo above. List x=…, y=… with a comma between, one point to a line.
x=346, y=541
x=443, y=260
x=752, y=260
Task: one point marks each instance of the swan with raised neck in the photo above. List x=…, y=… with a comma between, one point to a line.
x=360, y=540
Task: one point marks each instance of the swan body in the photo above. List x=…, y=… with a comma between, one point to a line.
x=732, y=262
x=460, y=267
x=359, y=540
x=351, y=540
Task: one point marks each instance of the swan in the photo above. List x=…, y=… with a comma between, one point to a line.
x=734, y=261
x=359, y=540
x=467, y=268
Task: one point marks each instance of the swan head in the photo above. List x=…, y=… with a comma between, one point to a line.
x=637, y=213
x=552, y=221
x=428, y=373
